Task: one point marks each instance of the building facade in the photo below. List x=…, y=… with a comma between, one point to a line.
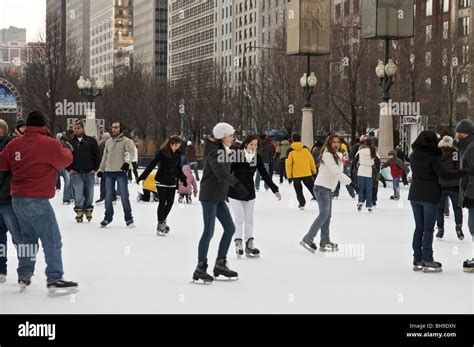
x=78, y=25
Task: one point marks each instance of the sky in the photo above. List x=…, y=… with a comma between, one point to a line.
x=29, y=14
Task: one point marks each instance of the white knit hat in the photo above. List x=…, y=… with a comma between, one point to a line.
x=4, y=125
x=222, y=130
x=446, y=141
x=189, y=143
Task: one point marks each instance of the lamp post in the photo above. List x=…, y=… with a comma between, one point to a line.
x=90, y=91
x=308, y=82
x=386, y=71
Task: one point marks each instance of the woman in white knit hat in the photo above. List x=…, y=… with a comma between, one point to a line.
x=449, y=188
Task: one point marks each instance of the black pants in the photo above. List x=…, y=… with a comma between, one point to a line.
x=166, y=196
x=282, y=170
x=309, y=183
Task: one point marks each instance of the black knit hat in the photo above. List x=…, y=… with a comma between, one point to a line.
x=35, y=119
x=465, y=126
x=20, y=123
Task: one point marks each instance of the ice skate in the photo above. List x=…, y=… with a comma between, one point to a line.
x=309, y=245
x=167, y=228
x=301, y=208
x=104, y=223
x=130, y=223
x=440, y=233
x=23, y=283
x=62, y=287
x=180, y=199
x=79, y=216
x=432, y=266
x=3, y=278
x=189, y=200
x=459, y=232
x=239, y=249
x=417, y=266
x=221, y=269
x=250, y=250
x=89, y=214
x=359, y=206
x=201, y=274
x=328, y=247
x=161, y=229
x=468, y=266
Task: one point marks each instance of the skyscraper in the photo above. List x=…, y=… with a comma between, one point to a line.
x=78, y=31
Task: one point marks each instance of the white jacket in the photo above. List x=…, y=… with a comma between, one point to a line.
x=365, y=162
x=331, y=173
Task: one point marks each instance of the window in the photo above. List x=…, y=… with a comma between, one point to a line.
x=445, y=30
x=346, y=8
x=427, y=59
x=338, y=11
x=445, y=57
x=463, y=83
x=428, y=84
x=428, y=7
x=444, y=5
x=464, y=54
x=464, y=3
x=429, y=31
x=464, y=25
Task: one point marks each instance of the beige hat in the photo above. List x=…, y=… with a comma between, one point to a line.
x=446, y=141
x=4, y=125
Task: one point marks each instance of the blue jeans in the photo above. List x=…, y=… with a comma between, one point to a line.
x=257, y=177
x=38, y=221
x=425, y=219
x=324, y=199
x=67, y=192
x=83, y=189
x=194, y=166
x=396, y=187
x=122, y=182
x=365, y=190
x=454, y=196
x=9, y=222
x=210, y=211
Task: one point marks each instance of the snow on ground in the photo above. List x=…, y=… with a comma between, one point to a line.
x=122, y=270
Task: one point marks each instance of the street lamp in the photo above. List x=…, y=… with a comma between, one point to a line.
x=308, y=84
x=90, y=91
x=386, y=73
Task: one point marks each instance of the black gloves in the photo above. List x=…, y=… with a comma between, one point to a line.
x=355, y=187
x=241, y=191
x=290, y=180
x=99, y=174
x=125, y=167
x=139, y=179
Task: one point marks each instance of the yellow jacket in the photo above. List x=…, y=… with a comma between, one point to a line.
x=149, y=183
x=344, y=148
x=300, y=162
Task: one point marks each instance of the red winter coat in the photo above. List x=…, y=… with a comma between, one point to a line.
x=34, y=160
x=395, y=170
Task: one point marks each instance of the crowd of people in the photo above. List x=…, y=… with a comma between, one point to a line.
x=32, y=163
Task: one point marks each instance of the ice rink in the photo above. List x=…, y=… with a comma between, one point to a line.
x=122, y=270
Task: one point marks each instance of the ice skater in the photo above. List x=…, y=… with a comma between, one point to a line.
x=331, y=171
x=215, y=183
x=169, y=171
x=243, y=207
x=191, y=188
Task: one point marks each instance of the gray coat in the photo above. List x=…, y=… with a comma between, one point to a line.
x=466, y=188
x=118, y=151
x=216, y=177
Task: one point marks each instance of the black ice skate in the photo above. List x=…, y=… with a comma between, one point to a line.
x=359, y=206
x=440, y=233
x=3, y=278
x=180, y=199
x=309, y=245
x=161, y=229
x=189, y=200
x=104, y=223
x=239, y=249
x=432, y=266
x=201, y=273
x=328, y=247
x=167, y=228
x=23, y=283
x=221, y=269
x=250, y=250
x=79, y=216
x=417, y=266
x=459, y=232
x=130, y=223
x=468, y=265
x=62, y=287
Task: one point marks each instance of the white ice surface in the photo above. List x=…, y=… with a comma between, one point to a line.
x=122, y=270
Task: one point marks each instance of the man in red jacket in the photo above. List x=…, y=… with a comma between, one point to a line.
x=33, y=160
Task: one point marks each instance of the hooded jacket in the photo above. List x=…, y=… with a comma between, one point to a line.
x=426, y=171
x=118, y=151
x=466, y=187
x=366, y=162
x=216, y=177
x=282, y=149
x=192, y=187
x=450, y=162
x=300, y=162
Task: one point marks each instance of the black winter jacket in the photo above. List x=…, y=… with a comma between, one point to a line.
x=244, y=172
x=266, y=152
x=450, y=162
x=5, y=176
x=426, y=171
x=86, y=154
x=466, y=188
x=169, y=170
x=216, y=178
